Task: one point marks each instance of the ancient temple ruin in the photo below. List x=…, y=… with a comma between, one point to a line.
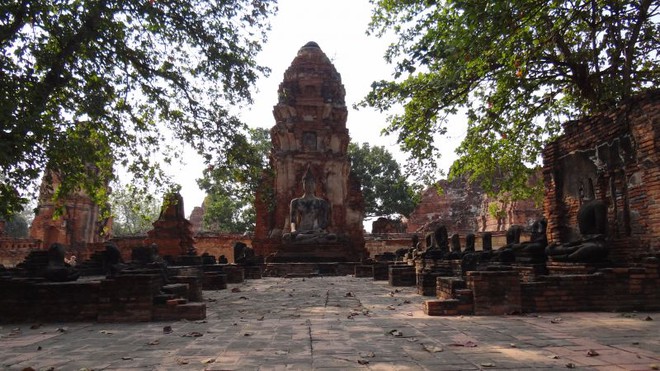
x=464, y=207
x=172, y=232
x=310, y=138
x=80, y=223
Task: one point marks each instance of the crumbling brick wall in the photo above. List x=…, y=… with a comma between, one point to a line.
x=617, y=153
x=463, y=208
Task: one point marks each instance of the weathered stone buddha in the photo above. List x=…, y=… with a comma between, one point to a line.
x=505, y=254
x=437, y=243
x=113, y=263
x=532, y=251
x=469, y=243
x=309, y=214
x=58, y=270
x=592, y=247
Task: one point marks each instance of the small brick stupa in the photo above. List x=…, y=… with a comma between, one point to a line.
x=172, y=232
x=310, y=137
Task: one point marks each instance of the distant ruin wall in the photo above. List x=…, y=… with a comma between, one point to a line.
x=464, y=208
x=616, y=152
x=14, y=250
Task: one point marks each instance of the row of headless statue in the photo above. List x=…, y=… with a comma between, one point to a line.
x=591, y=247
x=111, y=263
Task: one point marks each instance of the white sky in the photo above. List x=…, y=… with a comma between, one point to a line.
x=339, y=27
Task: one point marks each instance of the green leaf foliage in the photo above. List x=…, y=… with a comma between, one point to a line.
x=517, y=68
x=88, y=84
x=133, y=210
x=231, y=183
x=16, y=227
x=384, y=188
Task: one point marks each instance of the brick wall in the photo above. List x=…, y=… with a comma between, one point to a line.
x=463, y=208
x=14, y=250
x=613, y=289
x=617, y=152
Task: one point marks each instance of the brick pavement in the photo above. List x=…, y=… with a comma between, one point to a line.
x=337, y=323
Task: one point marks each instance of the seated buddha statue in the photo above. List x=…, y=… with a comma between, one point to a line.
x=592, y=246
x=309, y=214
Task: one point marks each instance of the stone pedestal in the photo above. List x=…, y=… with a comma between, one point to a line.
x=564, y=268
x=381, y=271
x=312, y=253
x=495, y=293
x=402, y=275
x=364, y=270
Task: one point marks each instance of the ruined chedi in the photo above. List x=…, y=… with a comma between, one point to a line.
x=309, y=157
x=80, y=223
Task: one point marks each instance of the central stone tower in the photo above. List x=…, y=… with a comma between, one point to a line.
x=310, y=141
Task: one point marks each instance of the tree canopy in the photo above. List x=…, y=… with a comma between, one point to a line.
x=517, y=68
x=384, y=188
x=133, y=210
x=231, y=184
x=88, y=84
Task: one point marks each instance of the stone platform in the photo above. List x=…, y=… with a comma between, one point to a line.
x=337, y=323
x=309, y=269
x=312, y=253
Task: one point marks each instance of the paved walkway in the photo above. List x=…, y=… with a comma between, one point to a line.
x=337, y=323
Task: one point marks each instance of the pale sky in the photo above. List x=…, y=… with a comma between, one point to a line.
x=339, y=27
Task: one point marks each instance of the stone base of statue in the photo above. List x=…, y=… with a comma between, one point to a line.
x=291, y=270
x=313, y=252
x=568, y=268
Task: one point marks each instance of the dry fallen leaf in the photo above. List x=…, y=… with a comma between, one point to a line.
x=363, y=361
x=193, y=334
x=467, y=344
x=555, y=320
x=592, y=353
x=570, y=365
x=153, y=342
x=432, y=348
x=395, y=332
x=208, y=360
x=487, y=364
x=181, y=361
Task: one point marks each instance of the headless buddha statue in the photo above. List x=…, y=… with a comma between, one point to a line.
x=592, y=223
x=58, y=270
